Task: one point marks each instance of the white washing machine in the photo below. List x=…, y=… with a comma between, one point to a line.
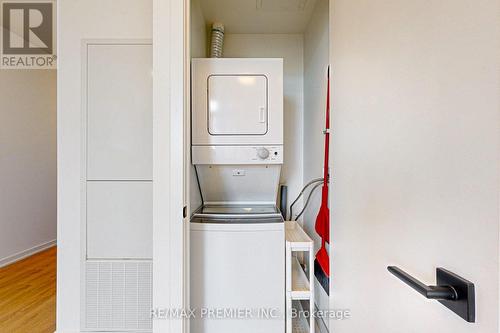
x=238, y=269
x=237, y=238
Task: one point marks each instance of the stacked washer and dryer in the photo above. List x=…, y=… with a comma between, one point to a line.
x=237, y=238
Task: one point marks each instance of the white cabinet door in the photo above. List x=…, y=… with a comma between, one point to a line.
x=119, y=216
x=416, y=160
x=119, y=112
x=237, y=105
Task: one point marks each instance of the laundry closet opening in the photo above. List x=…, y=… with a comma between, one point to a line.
x=258, y=92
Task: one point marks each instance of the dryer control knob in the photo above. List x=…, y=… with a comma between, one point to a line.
x=263, y=153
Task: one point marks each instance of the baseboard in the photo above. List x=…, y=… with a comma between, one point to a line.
x=26, y=253
x=101, y=331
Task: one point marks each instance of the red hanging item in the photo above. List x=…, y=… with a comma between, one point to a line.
x=322, y=225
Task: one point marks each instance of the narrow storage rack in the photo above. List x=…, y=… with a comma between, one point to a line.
x=299, y=283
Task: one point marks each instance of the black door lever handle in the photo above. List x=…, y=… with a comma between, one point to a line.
x=453, y=291
x=430, y=292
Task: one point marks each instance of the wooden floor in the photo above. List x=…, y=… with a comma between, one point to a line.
x=28, y=294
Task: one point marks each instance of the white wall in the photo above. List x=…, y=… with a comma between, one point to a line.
x=198, y=28
x=78, y=20
x=289, y=47
x=27, y=162
x=198, y=50
x=416, y=159
x=316, y=54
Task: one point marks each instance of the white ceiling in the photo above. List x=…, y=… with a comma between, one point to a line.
x=259, y=16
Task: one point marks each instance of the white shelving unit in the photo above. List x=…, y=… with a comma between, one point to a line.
x=298, y=286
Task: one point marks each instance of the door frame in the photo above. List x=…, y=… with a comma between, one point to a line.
x=171, y=158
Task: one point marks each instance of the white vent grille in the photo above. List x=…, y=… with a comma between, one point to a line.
x=118, y=296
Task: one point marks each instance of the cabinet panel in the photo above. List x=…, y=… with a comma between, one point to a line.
x=119, y=220
x=119, y=112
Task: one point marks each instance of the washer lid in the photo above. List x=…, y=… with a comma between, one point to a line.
x=239, y=209
x=246, y=220
x=237, y=214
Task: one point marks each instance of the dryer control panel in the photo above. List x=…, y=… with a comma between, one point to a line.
x=237, y=155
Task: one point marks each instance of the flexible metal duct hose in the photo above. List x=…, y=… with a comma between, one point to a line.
x=217, y=40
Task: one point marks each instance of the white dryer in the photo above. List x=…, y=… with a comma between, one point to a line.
x=237, y=237
x=237, y=101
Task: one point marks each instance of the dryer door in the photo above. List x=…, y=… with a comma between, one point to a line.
x=237, y=104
